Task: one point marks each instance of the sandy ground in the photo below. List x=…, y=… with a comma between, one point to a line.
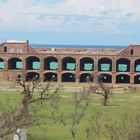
x=70, y=87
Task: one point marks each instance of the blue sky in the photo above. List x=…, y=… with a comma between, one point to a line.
x=91, y=22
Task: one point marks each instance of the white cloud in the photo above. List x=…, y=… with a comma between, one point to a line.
x=25, y=14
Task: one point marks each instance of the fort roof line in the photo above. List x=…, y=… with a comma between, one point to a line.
x=19, y=58
x=16, y=41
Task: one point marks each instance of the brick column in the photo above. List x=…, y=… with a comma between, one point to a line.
x=132, y=68
x=41, y=68
x=77, y=69
x=59, y=69
x=113, y=70
x=5, y=75
x=23, y=69
x=95, y=69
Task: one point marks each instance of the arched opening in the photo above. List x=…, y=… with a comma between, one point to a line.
x=14, y=64
x=86, y=77
x=123, y=78
x=1, y=64
x=104, y=64
x=106, y=78
x=32, y=63
x=137, y=65
x=68, y=77
x=86, y=64
x=50, y=77
x=31, y=75
x=137, y=79
x=50, y=63
x=123, y=65
x=69, y=64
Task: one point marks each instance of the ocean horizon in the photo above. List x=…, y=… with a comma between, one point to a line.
x=76, y=46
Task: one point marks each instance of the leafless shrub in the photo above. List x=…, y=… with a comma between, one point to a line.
x=22, y=116
x=105, y=90
x=133, y=88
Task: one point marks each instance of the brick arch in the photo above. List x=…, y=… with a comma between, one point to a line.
x=31, y=75
x=105, y=78
x=106, y=62
x=48, y=61
x=68, y=77
x=30, y=60
x=14, y=63
x=50, y=77
x=86, y=61
x=68, y=60
x=137, y=65
x=125, y=62
x=86, y=77
x=123, y=78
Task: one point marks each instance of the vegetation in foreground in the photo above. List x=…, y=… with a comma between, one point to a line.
x=117, y=121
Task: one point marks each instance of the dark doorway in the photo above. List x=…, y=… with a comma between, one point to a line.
x=50, y=63
x=31, y=75
x=69, y=64
x=86, y=64
x=68, y=77
x=32, y=63
x=86, y=77
x=105, y=64
x=106, y=78
x=123, y=78
x=50, y=77
x=123, y=65
x=14, y=64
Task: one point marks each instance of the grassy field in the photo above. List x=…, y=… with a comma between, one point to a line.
x=120, y=107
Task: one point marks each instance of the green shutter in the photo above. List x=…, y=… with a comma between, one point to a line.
x=19, y=65
x=70, y=66
x=122, y=67
x=36, y=65
x=138, y=68
x=53, y=65
x=1, y=65
x=88, y=66
x=105, y=67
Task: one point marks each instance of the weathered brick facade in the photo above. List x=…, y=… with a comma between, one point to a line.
x=12, y=52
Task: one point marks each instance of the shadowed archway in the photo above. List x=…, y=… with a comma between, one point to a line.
x=122, y=78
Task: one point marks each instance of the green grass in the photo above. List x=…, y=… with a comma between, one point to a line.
x=118, y=106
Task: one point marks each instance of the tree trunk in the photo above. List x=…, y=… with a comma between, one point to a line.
x=105, y=100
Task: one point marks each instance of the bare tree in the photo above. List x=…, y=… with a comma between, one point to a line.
x=105, y=89
x=81, y=102
x=19, y=117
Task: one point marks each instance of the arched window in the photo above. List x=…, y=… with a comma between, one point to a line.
x=50, y=77
x=123, y=65
x=68, y=64
x=32, y=63
x=86, y=77
x=68, y=77
x=104, y=64
x=32, y=75
x=122, y=78
x=106, y=78
x=50, y=63
x=14, y=64
x=86, y=64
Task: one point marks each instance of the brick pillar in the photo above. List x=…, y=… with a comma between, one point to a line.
x=23, y=69
x=77, y=70
x=113, y=70
x=95, y=69
x=5, y=75
x=59, y=69
x=41, y=68
x=132, y=68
